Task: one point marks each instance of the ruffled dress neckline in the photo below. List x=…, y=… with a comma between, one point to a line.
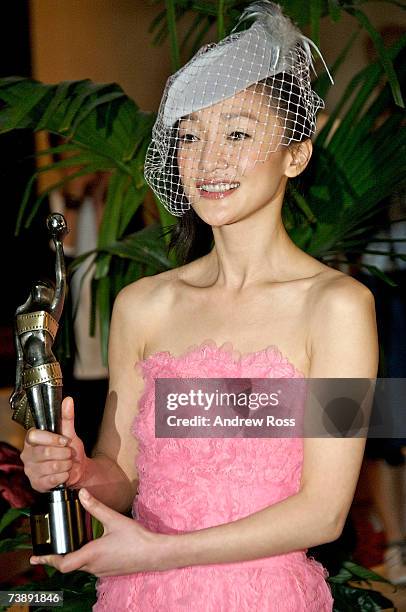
x=209, y=346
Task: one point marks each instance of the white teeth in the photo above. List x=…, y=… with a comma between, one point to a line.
x=219, y=187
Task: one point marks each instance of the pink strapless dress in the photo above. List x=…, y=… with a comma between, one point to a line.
x=190, y=484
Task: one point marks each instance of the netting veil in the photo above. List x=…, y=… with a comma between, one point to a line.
x=231, y=106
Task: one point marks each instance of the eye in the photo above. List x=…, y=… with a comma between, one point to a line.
x=188, y=137
x=238, y=135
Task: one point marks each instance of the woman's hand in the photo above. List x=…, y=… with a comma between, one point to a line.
x=124, y=548
x=52, y=459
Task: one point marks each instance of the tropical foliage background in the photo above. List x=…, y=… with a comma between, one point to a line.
x=358, y=162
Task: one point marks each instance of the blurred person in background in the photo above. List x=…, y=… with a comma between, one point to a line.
x=386, y=464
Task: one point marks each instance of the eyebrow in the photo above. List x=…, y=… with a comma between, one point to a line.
x=245, y=114
x=225, y=116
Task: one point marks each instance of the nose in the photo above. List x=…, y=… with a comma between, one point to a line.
x=213, y=156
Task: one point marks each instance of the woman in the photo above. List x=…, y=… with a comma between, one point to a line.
x=222, y=524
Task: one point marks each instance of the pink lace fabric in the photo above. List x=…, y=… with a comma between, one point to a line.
x=190, y=484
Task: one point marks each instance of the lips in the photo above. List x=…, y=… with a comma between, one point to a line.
x=216, y=189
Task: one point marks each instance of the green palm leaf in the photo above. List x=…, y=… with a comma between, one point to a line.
x=356, y=166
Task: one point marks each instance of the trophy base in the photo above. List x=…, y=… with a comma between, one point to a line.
x=59, y=523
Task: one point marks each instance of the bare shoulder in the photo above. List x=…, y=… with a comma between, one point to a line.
x=142, y=291
x=341, y=292
x=342, y=338
x=139, y=305
x=159, y=289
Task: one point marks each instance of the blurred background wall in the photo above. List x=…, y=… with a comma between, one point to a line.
x=104, y=40
x=108, y=41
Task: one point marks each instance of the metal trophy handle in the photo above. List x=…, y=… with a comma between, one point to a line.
x=58, y=522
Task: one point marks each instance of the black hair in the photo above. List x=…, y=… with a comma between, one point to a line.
x=191, y=237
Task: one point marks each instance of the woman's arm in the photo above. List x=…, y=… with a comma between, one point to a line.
x=343, y=344
x=110, y=475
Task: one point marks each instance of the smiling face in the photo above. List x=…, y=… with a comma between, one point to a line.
x=231, y=156
x=216, y=104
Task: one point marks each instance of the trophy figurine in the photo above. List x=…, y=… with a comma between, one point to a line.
x=58, y=519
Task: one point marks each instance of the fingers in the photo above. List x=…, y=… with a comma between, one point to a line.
x=68, y=418
x=48, y=474
x=51, y=459
x=45, y=438
x=63, y=563
x=51, y=453
x=45, y=483
x=79, y=560
x=53, y=468
x=47, y=459
x=103, y=513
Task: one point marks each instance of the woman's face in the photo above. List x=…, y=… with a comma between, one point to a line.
x=230, y=159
